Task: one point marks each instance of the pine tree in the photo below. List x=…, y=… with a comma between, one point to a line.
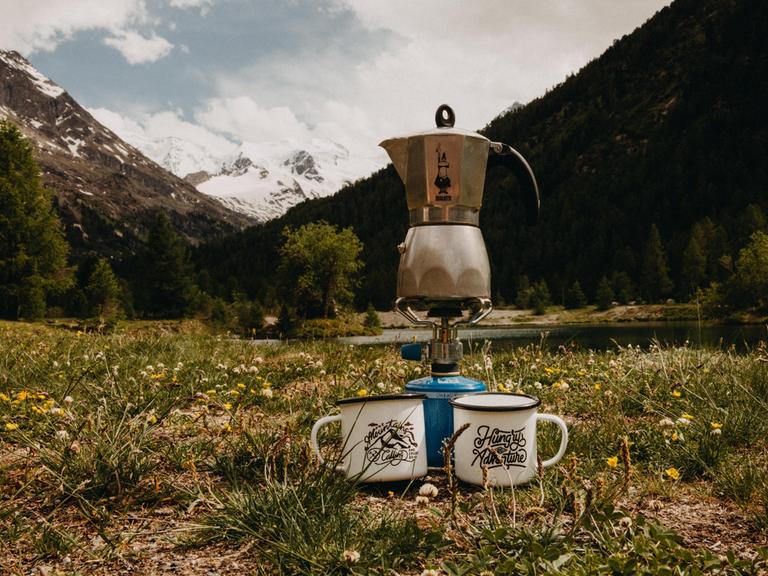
x=103, y=291
x=604, y=295
x=165, y=286
x=574, y=297
x=523, y=293
x=540, y=297
x=655, y=272
x=33, y=252
x=623, y=287
x=694, y=266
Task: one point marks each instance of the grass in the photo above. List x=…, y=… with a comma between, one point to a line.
x=159, y=444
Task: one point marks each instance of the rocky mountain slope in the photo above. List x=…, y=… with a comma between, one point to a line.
x=106, y=191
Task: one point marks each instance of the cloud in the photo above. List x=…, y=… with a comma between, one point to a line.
x=41, y=25
x=137, y=49
x=244, y=118
x=479, y=57
x=203, y=5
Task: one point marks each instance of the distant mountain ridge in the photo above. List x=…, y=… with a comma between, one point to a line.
x=261, y=180
x=106, y=191
x=667, y=127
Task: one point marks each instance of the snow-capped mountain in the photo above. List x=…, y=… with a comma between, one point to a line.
x=261, y=180
x=107, y=191
x=264, y=180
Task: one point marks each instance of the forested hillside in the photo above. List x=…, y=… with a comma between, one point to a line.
x=653, y=156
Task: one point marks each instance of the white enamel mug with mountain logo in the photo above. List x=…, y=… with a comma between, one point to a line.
x=501, y=437
x=383, y=437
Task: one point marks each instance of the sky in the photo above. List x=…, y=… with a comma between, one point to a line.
x=352, y=71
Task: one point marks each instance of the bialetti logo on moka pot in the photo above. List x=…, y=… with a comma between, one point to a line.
x=494, y=447
x=442, y=180
x=390, y=443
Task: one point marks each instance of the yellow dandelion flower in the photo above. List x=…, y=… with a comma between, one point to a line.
x=21, y=396
x=598, y=387
x=227, y=406
x=226, y=428
x=673, y=473
x=362, y=392
x=152, y=419
x=266, y=384
x=612, y=462
x=675, y=437
x=715, y=425
x=234, y=393
x=676, y=393
x=687, y=416
x=241, y=385
x=211, y=392
x=11, y=426
x=4, y=397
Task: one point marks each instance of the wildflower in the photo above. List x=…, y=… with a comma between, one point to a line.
x=362, y=392
x=234, y=392
x=676, y=393
x=151, y=419
x=4, y=398
x=390, y=494
x=715, y=425
x=350, y=556
x=21, y=396
x=625, y=522
x=683, y=421
x=266, y=384
x=266, y=392
x=68, y=399
x=227, y=406
x=537, y=385
x=380, y=385
x=56, y=411
x=430, y=572
x=226, y=428
x=687, y=416
x=716, y=432
x=62, y=435
x=666, y=423
x=210, y=392
x=675, y=437
x=422, y=500
x=428, y=489
x=10, y=426
x=241, y=385
x=673, y=473
x=598, y=386
x=612, y=462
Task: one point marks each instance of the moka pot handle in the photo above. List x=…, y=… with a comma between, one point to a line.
x=505, y=155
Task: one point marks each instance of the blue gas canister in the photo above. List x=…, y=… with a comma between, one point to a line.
x=438, y=413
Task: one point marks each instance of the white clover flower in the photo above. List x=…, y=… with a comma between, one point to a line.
x=62, y=435
x=56, y=411
x=351, y=556
x=716, y=432
x=683, y=421
x=150, y=368
x=422, y=500
x=380, y=385
x=160, y=366
x=564, y=386
x=430, y=572
x=68, y=399
x=537, y=385
x=429, y=490
x=55, y=364
x=322, y=372
x=267, y=392
x=666, y=423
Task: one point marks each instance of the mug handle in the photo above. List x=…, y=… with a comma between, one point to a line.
x=563, y=437
x=316, y=428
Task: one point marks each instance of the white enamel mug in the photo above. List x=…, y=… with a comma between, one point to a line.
x=501, y=437
x=383, y=437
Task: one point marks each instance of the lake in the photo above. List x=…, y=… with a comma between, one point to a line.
x=592, y=336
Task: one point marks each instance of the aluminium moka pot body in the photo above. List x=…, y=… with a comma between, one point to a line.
x=443, y=258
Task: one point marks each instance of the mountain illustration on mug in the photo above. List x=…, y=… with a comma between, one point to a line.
x=390, y=443
x=494, y=447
